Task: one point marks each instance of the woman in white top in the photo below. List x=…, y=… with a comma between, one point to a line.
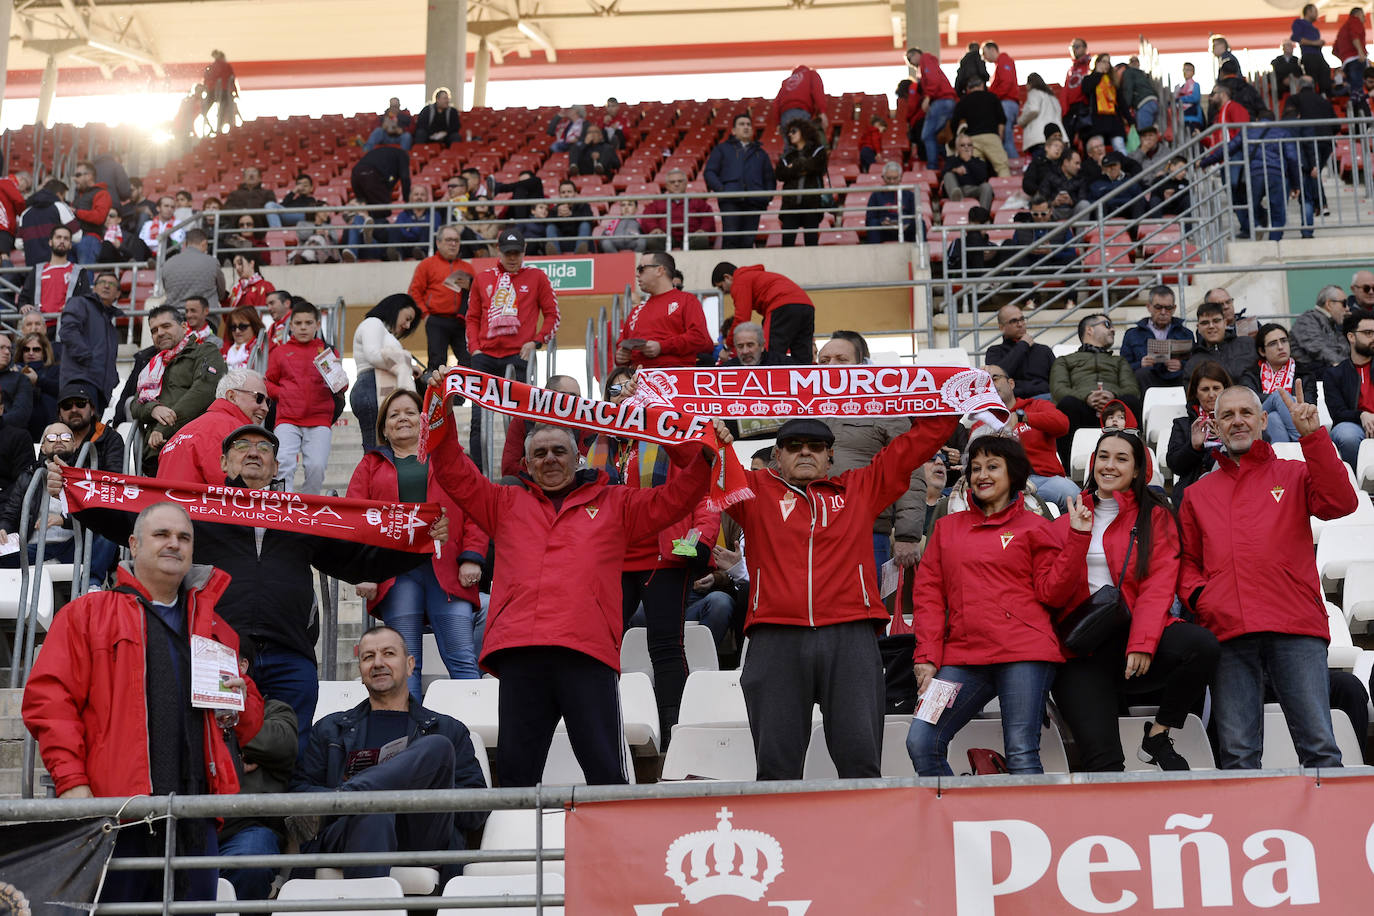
x=383, y=364
x=1040, y=111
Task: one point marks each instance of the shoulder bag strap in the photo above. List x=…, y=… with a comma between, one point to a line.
x=1125, y=564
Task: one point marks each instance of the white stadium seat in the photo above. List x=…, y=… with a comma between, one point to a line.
x=1158, y=410
x=988, y=733
x=895, y=762
x=1280, y=754
x=1081, y=450
x=224, y=892
x=1342, y=543
x=514, y=829
x=1341, y=651
x=721, y=752
x=951, y=356
x=336, y=696
x=501, y=886
x=639, y=711
x=1364, y=465
x=712, y=698
x=10, y=580
x=1358, y=603
x=561, y=767
x=700, y=647
x=472, y=702
x=326, y=889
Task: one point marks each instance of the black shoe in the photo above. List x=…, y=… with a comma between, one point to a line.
x=1158, y=750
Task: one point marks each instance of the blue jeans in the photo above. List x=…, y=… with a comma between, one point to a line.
x=250, y=883
x=1011, y=110
x=937, y=116
x=1057, y=490
x=87, y=250
x=282, y=674
x=1348, y=437
x=362, y=397
x=790, y=115
x=1147, y=114
x=569, y=237
x=353, y=238
x=713, y=610
x=882, y=552
x=1273, y=213
x=1020, y=688
x=417, y=597
x=1296, y=666
x=1280, y=422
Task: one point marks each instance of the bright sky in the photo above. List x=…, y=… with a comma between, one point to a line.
x=157, y=108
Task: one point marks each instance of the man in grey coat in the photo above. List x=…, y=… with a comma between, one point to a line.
x=90, y=344
x=193, y=272
x=1316, y=336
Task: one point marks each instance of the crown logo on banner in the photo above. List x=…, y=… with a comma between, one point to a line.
x=724, y=862
x=969, y=390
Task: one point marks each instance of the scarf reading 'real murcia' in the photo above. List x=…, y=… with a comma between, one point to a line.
x=676, y=406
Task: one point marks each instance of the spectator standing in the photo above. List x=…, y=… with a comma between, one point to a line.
x=871, y=143
x=801, y=95
x=789, y=315
x=801, y=167
x=966, y=175
x=675, y=218
x=1104, y=108
x=1042, y=110
x=437, y=122
x=970, y=65
x=504, y=325
x=1317, y=338
x=440, y=286
x=938, y=99
x=1162, y=323
x=176, y=385
x=1273, y=622
x=441, y=593
x=1026, y=362
x=97, y=740
x=1221, y=50
x=1270, y=172
x=377, y=174
x=1288, y=68
x=13, y=189
x=513, y=453
x=1133, y=545
x=1189, y=98
x=1075, y=104
x=1138, y=95
x=979, y=114
x=1278, y=372
x=49, y=285
x=1007, y=88
x=667, y=326
x=1350, y=49
x=383, y=364
x=277, y=317
x=221, y=89
x=307, y=404
x=1236, y=354
x=1310, y=44
x=193, y=272
x=1349, y=389
x=90, y=202
x=197, y=312
x=1085, y=381
x=740, y=164
x=195, y=454
x=1193, y=443
x=90, y=343
x=891, y=213
x=44, y=209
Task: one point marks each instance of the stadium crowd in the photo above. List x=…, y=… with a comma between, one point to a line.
x=545, y=561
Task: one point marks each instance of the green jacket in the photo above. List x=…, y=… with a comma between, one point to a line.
x=188, y=387
x=1077, y=374
x=1136, y=88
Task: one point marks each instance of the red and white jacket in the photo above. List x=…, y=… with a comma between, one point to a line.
x=676, y=322
x=293, y=381
x=251, y=292
x=533, y=296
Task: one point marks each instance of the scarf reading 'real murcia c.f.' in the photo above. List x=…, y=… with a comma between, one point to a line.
x=676, y=406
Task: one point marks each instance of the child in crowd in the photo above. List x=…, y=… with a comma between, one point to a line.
x=871, y=143
x=308, y=397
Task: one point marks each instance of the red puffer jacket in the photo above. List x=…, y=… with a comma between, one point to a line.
x=809, y=550
x=86, y=704
x=676, y=322
x=1247, y=541
x=1149, y=600
x=193, y=454
x=557, y=579
x=293, y=381
x=988, y=588
x=375, y=478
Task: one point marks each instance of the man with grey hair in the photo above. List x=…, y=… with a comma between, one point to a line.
x=193, y=454
x=1316, y=337
x=1361, y=291
x=673, y=218
x=749, y=350
x=1275, y=621
x=891, y=214
x=513, y=453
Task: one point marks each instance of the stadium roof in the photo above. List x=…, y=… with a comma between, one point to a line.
x=300, y=43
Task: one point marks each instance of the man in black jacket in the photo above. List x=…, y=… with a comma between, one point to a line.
x=76, y=407
x=740, y=164
x=16, y=453
x=376, y=174
x=1026, y=362
x=1350, y=391
x=390, y=742
x=1235, y=354
x=17, y=390
x=90, y=343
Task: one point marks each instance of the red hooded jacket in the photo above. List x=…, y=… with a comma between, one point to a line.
x=676, y=321
x=1247, y=539
x=375, y=478
x=557, y=580
x=801, y=89
x=1149, y=600
x=533, y=296
x=809, y=550
x=988, y=588
x=86, y=701
x=294, y=382
x=754, y=289
x=193, y=454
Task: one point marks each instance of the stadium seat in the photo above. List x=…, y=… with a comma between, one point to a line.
x=1280, y=754
x=1158, y=410
x=325, y=889
x=1342, y=543
x=639, y=711
x=224, y=892
x=988, y=733
x=472, y=702
x=479, y=750
x=1341, y=651
x=895, y=763
x=1291, y=451
x=468, y=885
x=1364, y=465
x=720, y=752
x=10, y=581
x=1364, y=667
x=1080, y=450
x=700, y=648
x=932, y=356
x=712, y=698
x=561, y=767
x=1190, y=741
x=1363, y=514
x=514, y=829
x=415, y=880
x=336, y=696
x=1358, y=603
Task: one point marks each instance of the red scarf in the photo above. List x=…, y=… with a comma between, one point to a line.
x=398, y=526
x=150, y=379
x=1271, y=381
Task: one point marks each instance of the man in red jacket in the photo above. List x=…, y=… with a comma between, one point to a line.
x=193, y=454
x=555, y=622
x=937, y=101
x=814, y=609
x=90, y=202
x=1249, y=574
x=667, y=328
x=1074, y=104
x=503, y=320
x=14, y=189
x=789, y=315
x=662, y=219
x=801, y=95
x=110, y=700
x=1007, y=90
x=440, y=286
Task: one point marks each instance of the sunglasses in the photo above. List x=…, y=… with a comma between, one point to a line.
x=33, y=349
x=640, y=268
x=1103, y=324
x=74, y=402
x=258, y=396
x=245, y=326
x=793, y=446
x=1364, y=287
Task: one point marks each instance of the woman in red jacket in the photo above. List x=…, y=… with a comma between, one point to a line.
x=984, y=597
x=442, y=593
x=1133, y=529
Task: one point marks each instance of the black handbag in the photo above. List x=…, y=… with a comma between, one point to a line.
x=1099, y=618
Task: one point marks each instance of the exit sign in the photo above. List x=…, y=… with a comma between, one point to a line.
x=570, y=274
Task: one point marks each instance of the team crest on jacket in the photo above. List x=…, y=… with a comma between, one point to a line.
x=672, y=307
x=592, y=510
x=787, y=504
x=1006, y=539
x=1277, y=493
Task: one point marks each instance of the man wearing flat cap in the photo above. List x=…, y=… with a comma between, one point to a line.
x=814, y=610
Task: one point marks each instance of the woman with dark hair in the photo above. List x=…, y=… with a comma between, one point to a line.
x=383, y=364
x=801, y=166
x=1193, y=441
x=443, y=592
x=33, y=355
x=1278, y=372
x=1134, y=545
x=1041, y=111
x=1104, y=108
x=240, y=332
x=985, y=597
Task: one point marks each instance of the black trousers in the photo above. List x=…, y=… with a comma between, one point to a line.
x=792, y=334
x=1089, y=690
x=738, y=217
x=664, y=595
x=539, y=685
x=807, y=222
x=496, y=366
x=1315, y=66
x=444, y=333
x=371, y=187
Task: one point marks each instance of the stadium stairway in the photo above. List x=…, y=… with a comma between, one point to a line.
x=12, y=744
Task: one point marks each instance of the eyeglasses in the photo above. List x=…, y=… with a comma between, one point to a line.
x=1019, y=319
x=1104, y=323
x=258, y=396
x=640, y=268
x=243, y=446
x=33, y=349
x=1230, y=301
x=1164, y=308
x=73, y=402
x=58, y=437
x=244, y=326
x=1275, y=341
x=793, y=446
